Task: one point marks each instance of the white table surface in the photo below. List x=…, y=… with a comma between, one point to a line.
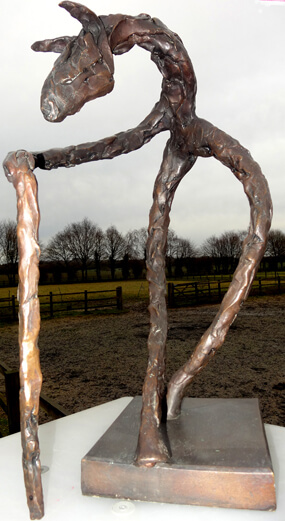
x=65, y=441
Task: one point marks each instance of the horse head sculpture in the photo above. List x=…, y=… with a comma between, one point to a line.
x=84, y=69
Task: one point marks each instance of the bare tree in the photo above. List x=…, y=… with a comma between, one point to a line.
x=75, y=243
x=81, y=237
x=185, y=248
x=231, y=246
x=115, y=247
x=231, y=243
x=135, y=252
x=276, y=247
x=99, y=250
x=9, y=247
x=184, y=252
x=171, y=251
x=58, y=251
x=142, y=235
x=211, y=247
x=132, y=244
x=224, y=250
x=130, y=252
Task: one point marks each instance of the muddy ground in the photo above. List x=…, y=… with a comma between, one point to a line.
x=88, y=360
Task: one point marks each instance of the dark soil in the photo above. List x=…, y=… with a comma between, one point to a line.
x=89, y=360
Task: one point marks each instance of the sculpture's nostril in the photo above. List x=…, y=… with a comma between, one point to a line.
x=49, y=110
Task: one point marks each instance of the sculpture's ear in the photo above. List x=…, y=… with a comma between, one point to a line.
x=54, y=45
x=87, y=18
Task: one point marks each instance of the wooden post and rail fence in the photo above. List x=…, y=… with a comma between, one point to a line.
x=182, y=294
x=51, y=305
x=56, y=303
x=205, y=292
x=10, y=402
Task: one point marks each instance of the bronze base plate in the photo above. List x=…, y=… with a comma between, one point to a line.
x=219, y=458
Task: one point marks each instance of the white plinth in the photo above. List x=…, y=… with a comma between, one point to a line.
x=64, y=442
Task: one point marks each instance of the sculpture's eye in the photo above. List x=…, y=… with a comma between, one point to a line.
x=67, y=81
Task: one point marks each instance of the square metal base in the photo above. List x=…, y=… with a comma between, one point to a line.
x=219, y=458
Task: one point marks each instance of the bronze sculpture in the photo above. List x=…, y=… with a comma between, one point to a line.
x=84, y=71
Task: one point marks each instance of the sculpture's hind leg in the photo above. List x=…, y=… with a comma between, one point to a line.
x=209, y=140
x=215, y=335
x=151, y=447
x=213, y=338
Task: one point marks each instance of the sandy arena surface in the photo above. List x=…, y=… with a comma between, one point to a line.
x=89, y=360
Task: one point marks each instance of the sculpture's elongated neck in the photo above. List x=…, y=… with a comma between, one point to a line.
x=167, y=52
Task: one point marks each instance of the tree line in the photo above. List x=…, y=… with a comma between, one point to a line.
x=84, y=245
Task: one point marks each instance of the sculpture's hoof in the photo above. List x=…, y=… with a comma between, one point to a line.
x=152, y=457
x=151, y=448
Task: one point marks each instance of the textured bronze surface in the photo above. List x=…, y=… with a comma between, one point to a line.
x=219, y=458
x=190, y=137
x=84, y=71
x=19, y=171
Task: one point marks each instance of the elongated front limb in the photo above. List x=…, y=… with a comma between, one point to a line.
x=110, y=147
x=151, y=446
x=19, y=170
x=211, y=141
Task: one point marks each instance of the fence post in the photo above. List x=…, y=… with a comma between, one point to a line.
x=170, y=296
x=50, y=305
x=12, y=385
x=14, y=307
x=85, y=301
x=209, y=289
x=219, y=290
x=260, y=286
x=196, y=292
x=279, y=284
x=119, y=296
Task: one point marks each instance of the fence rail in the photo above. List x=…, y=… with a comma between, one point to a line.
x=10, y=402
x=9, y=307
x=55, y=303
x=193, y=293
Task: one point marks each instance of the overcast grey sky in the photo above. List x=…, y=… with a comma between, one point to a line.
x=238, y=51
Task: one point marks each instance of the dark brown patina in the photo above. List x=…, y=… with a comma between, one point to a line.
x=84, y=71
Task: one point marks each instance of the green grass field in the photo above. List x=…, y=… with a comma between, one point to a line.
x=132, y=289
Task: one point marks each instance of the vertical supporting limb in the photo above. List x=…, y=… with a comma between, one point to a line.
x=151, y=446
x=19, y=170
x=212, y=141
